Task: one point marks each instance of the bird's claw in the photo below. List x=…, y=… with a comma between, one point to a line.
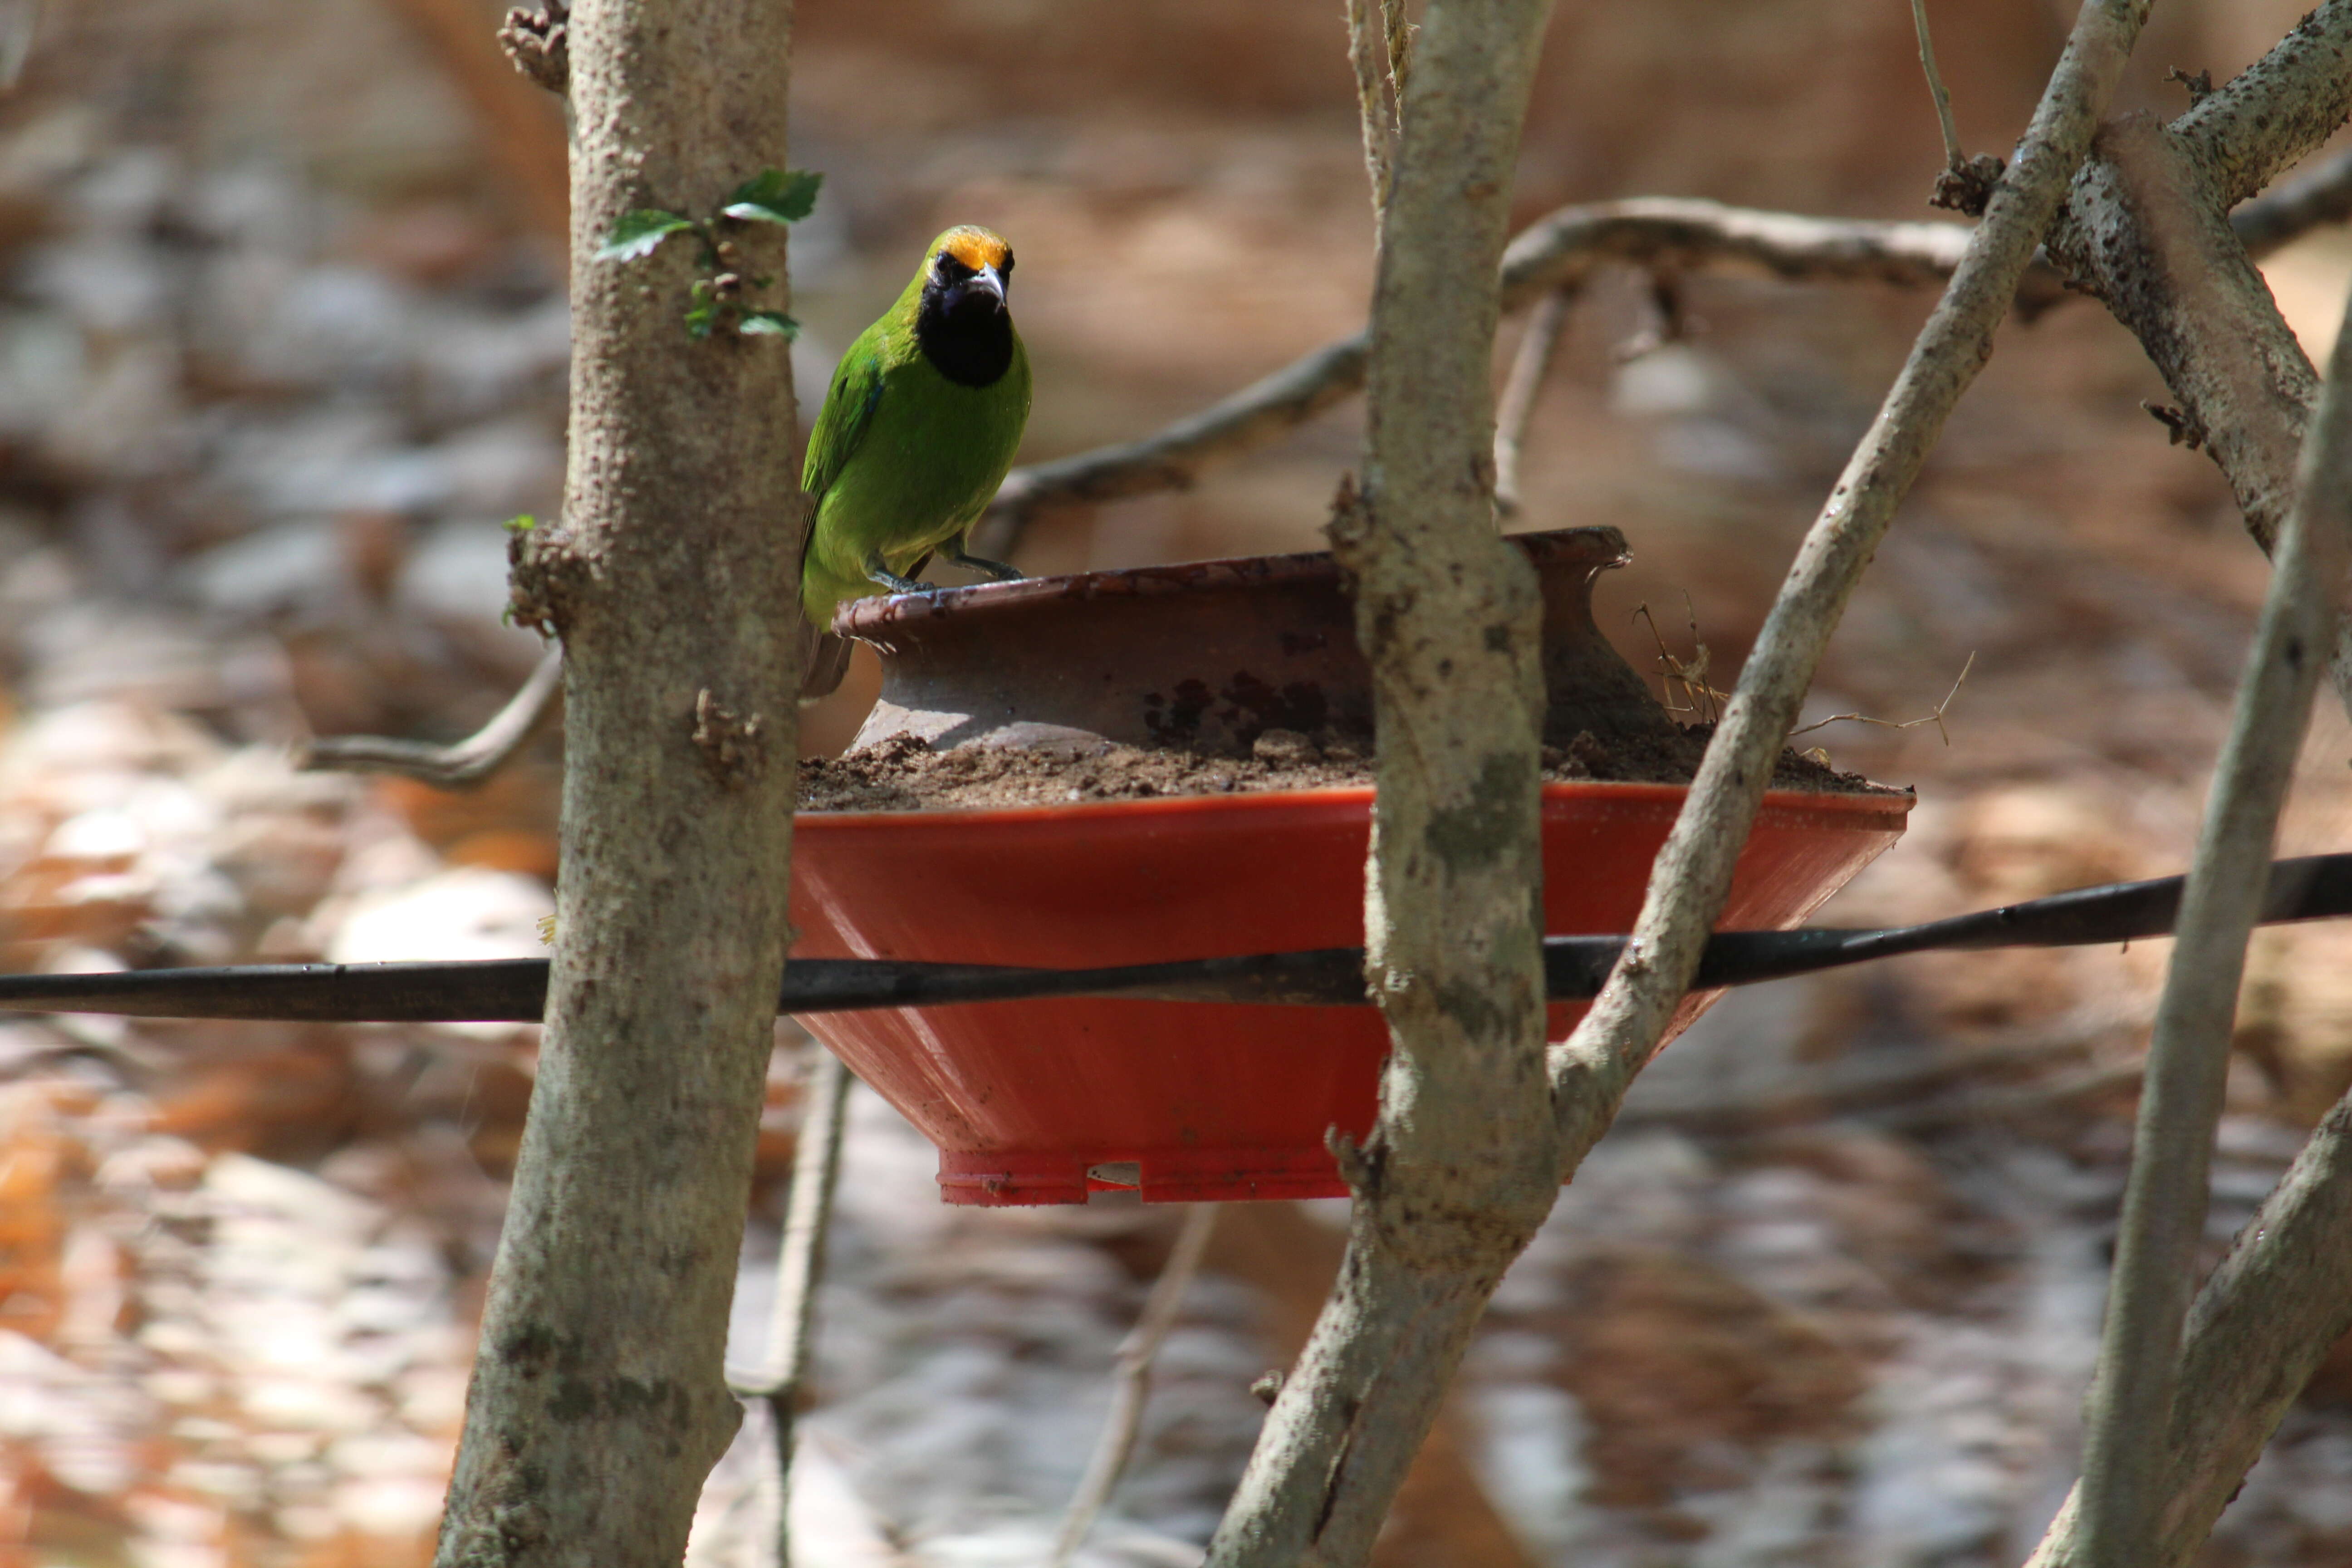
x=996, y=569
x=877, y=572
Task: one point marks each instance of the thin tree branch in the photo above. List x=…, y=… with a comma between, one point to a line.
x=2260, y=1326
x=1131, y=1381
x=1953, y=157
x=2246, y=133
x=2317, y=197
x=1167, y=458
x=2165, y=1202
x=800, y=1265
x=1692, y=872
x=1563, y=251
x=463, y=764
x=2159, y=252
x=1529, y=366
x=2143, y=232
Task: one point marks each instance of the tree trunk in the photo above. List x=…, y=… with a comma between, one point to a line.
x=598, y=1403
x=1460, y=1170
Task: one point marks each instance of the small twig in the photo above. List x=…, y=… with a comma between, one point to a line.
x=2131, y=1402
x=1954, y=158
x=1966, y=183
x=2181, y=427
x=462, y=765
x=1131, y=1381
x=800, y=1264
x=1698, y=696
x=1529, y=365
x=1935, y=718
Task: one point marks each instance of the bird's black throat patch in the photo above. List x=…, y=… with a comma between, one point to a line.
x=967, y=336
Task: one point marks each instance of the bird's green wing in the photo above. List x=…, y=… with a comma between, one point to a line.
x=847, y=414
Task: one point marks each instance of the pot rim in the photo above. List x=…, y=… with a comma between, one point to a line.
x=865, y=618
x=1880, y=799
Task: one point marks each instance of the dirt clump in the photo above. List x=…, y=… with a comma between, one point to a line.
x=904, y=773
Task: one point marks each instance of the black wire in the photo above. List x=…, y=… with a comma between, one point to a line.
x=515, y=989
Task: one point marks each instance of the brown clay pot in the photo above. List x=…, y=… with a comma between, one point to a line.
x=1205, y=656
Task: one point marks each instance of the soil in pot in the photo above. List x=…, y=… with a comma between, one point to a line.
x=905, y=773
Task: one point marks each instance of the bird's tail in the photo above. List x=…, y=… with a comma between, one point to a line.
x=825, y=660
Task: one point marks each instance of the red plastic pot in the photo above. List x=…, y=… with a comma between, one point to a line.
x=1041, y=1102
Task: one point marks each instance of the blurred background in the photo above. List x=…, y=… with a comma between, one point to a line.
x=283, y=340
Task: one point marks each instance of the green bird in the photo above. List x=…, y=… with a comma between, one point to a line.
x=917, y=430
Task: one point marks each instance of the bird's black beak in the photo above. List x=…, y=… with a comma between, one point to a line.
x=988, y=281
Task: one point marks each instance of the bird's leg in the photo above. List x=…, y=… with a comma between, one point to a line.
x=996, y=569
x=881, y=574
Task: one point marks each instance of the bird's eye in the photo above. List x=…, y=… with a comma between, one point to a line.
x=949, y=269
x=1005, y=270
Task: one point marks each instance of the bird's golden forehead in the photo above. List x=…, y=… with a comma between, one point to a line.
x=975, y=248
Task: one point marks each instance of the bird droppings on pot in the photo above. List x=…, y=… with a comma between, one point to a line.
x=907, y=773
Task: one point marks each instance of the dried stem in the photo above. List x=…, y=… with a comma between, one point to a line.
x=1953, y=157
x=463, y=764
x=2124, y=1482
x=800, y=1265
x=1131, y=1381
x=1692, y=872
x=1529, y=366
x=1935, y=716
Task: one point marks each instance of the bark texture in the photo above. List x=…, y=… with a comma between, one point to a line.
x=1459, y=1172
x=598, y=1403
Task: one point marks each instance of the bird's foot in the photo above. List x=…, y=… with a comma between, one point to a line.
x=996, y=569
x=878, y=572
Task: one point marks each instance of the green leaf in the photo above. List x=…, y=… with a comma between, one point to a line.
x=767, y=325
x=523, y=524
x=775, y=195
x=700, y=320
x=640, y=232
